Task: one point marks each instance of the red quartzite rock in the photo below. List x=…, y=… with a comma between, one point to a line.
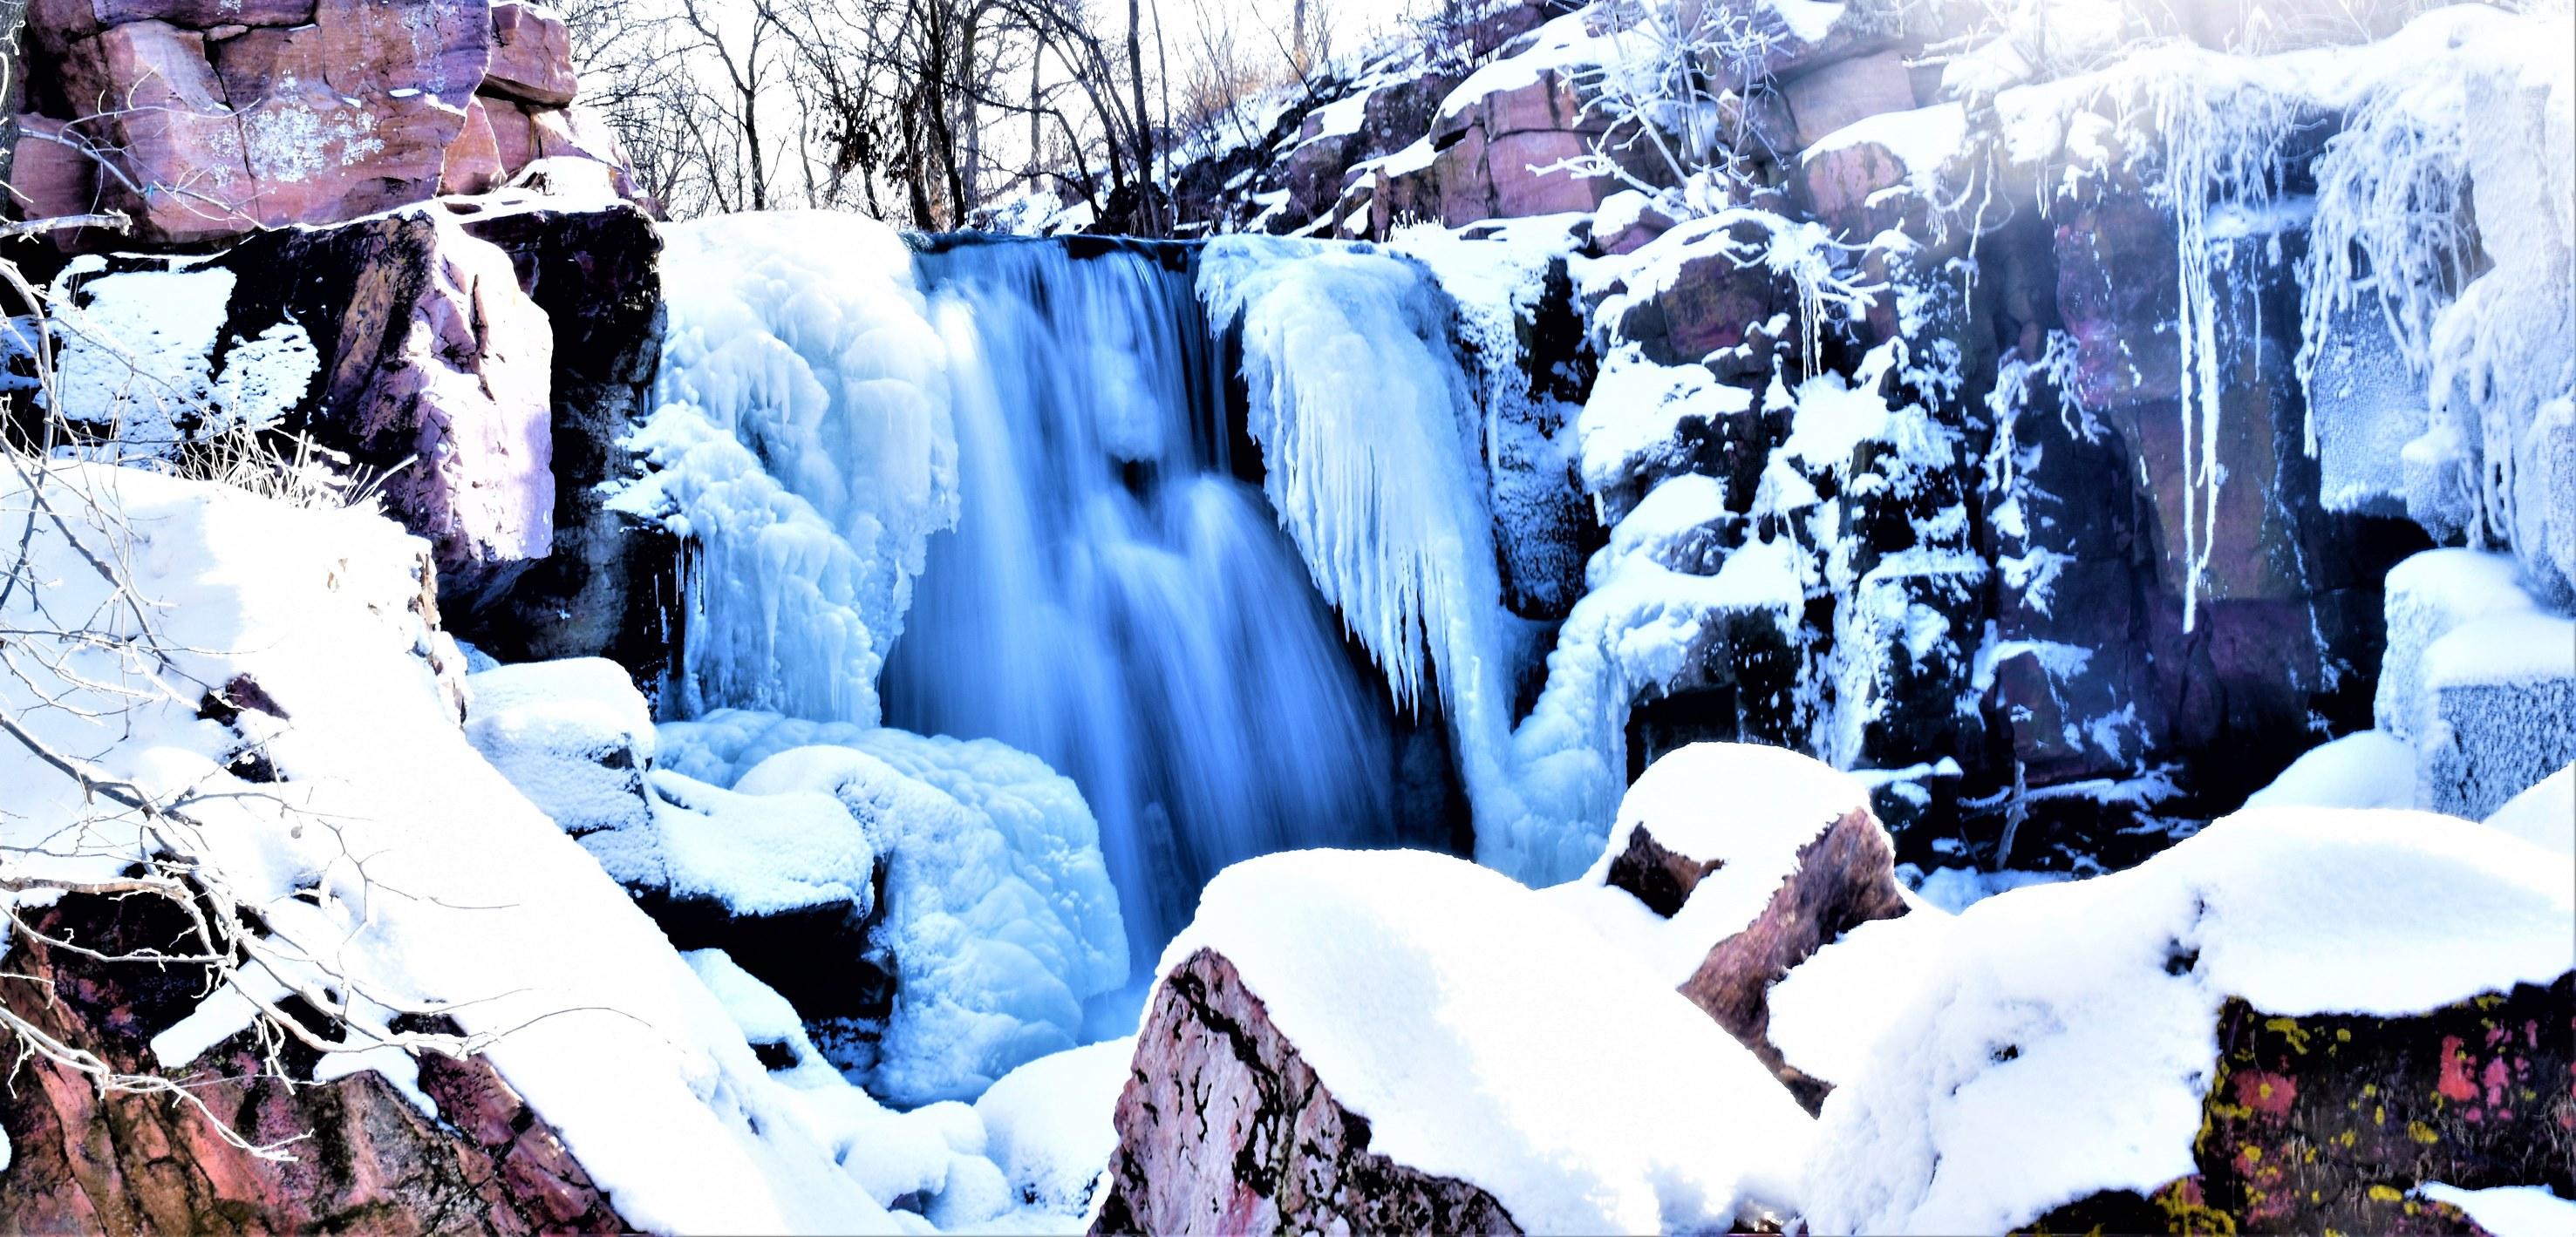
x=372, y=1162
x=531, y=56
x=1844, y=878
x=2327, y=1123
x=1224, y=1128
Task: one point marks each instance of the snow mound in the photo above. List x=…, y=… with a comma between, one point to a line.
x=2508, y=1211
x=467, y=899
x=1473, y=1023
x=2370, y=769
x=801, y=445
x=574, y=736
x=2062, y=1041
x=2544, y=815
x=1049, y=1124
x=999, y=910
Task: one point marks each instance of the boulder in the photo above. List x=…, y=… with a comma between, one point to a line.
x=531, y=56
x=83, y=1162
x=1399, y=1041
x=1225, y=1128
x=221, y=116
x=574, y=736
x=347, y=114
x=1769, y=854
x=472, y=163
x=2500, y=705
x=436, y=357
x=2329, y=1122
x=47, y=177
x=1705, y=294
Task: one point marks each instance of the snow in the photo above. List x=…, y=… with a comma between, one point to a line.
x=2508, y=1211
x=2107, y=990
x=137, y=352
x=2368, y=769
x=1829, y=1012
x=801, y=444
x=2544, y=815
x=1049, y=1124
x=757, y=855
x=1630, y=421
x=574, y=736
x=1956, y=889
x=1465, y=1017
x=468, y=899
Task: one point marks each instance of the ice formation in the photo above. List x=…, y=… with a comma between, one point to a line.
x=801, y=445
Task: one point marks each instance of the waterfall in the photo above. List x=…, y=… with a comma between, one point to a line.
x=1113, y=599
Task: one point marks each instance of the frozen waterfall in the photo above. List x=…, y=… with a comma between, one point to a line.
x=1113, y=599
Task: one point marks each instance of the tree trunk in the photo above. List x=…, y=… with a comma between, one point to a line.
x=1144, y=119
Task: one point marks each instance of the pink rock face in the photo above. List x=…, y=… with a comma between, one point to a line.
x=346, y=115
x=463, y=383
x=50, y=178
x=531, y=56
x=473, y=161
x=214, y=117
x=1843, y=184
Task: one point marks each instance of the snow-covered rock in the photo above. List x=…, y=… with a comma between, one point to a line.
x=998, y=920
x=1728, y=866
x=574, y=736
x=1400, y=1039
x=2063, y=1038
x=1050, y=1124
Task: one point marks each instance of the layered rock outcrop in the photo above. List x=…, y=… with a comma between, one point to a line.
x=204, y=121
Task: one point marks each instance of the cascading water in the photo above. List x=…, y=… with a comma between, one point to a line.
x=1113, y=599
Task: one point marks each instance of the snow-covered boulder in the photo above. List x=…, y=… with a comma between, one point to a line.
x=1399, y=1040
x=1732, y=863
x=2500, y=710
x=2287, y=983
x=574, y=736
